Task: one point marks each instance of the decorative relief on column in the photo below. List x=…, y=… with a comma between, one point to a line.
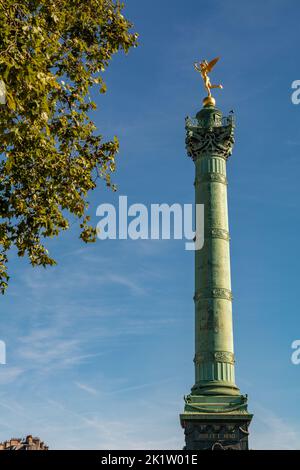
x=211, y=178
x=217, y=356
x=224, y=356
x=217, y=292
x=217, y=436
x=241, y=405
x=213, y=140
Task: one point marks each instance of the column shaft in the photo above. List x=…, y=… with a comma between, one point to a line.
x=214, y=357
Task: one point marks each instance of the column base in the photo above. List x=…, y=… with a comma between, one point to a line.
x=212, y=387
x=216, y=422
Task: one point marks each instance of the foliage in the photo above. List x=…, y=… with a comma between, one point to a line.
x=52, y=52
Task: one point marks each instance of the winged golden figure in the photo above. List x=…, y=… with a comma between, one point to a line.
x=203, y=68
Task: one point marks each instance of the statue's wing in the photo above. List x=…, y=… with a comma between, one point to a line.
x=211, y=64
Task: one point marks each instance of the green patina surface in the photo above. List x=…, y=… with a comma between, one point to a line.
x=209, y=141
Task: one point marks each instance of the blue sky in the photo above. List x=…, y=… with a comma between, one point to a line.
x=100, y=348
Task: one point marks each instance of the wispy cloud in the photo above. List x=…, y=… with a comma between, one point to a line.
x=133, y=286
x=142, y=386
x=86, y=388
x=45, y=346
x=273, y=431
x=9, y=374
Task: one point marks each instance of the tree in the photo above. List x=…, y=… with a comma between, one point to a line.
x=52, y=52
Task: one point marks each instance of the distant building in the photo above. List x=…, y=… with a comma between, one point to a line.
x=29, y=443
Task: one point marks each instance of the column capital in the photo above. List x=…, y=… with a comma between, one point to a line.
x=213, y=135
